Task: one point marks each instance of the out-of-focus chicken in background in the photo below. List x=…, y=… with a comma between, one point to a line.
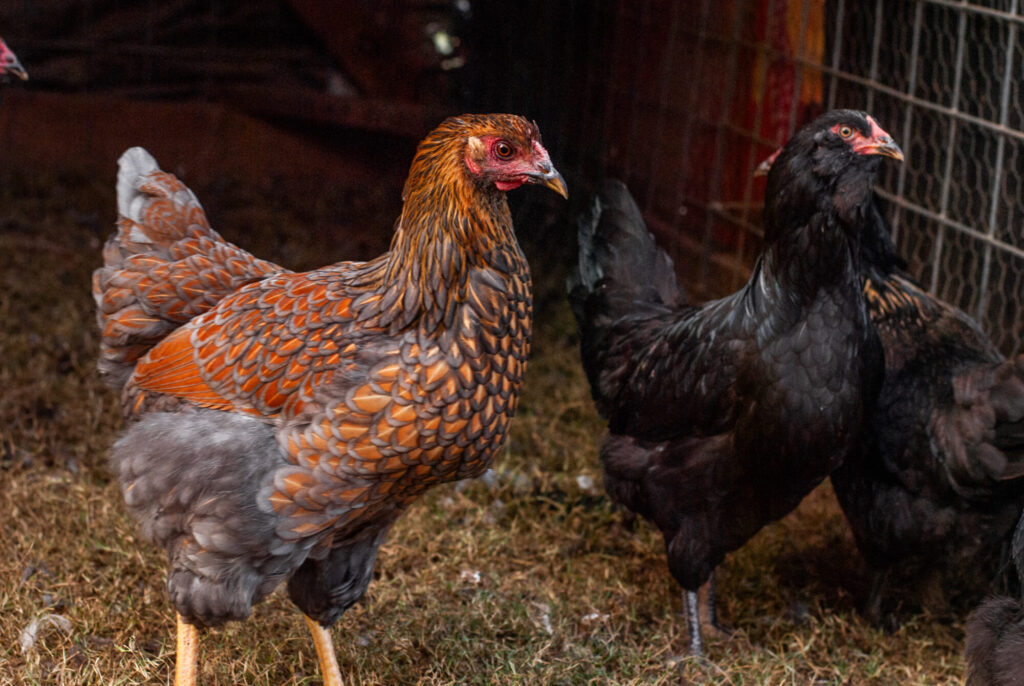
x=282, y=421
x=995, y=632
x=723, y=417
x=935, y=495
x=10, y=66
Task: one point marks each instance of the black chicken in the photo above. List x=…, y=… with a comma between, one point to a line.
x=936, y=493
x=723, y=417
x=995, y=634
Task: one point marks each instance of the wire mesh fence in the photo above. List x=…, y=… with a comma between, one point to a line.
x=682, y=99
x=945, y=78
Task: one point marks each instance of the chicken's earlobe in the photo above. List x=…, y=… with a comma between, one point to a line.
x=475, y=153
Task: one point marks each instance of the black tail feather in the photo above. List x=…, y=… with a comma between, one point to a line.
x=622, y=275
x=618, y=254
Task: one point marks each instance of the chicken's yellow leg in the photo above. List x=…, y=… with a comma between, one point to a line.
x=188, y=654
x=325, y=651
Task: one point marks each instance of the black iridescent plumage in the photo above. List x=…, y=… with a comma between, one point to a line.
x=723, y=417
x=936, y=493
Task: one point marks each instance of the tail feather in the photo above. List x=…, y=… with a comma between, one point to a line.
x=164, y=266
x=618, y=252
x=622, y=275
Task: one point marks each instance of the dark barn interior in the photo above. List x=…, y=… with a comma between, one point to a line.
x=294, y=122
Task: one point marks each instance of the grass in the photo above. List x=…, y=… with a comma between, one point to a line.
x=530, y=577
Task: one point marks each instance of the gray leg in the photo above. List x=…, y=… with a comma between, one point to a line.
x=691, y=604
x=879, y=588
x=712, y=609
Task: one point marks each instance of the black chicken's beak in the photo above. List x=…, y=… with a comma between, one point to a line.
x=878, y=142
x=549, y=176
x=881, y=145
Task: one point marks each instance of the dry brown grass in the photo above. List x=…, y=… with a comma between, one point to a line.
x=532, y=578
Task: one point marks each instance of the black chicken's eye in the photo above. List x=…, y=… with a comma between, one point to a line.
x=845, y=131
x=503, y=149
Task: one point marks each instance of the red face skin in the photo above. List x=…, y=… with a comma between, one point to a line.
x=509, y=164
x=877, y=142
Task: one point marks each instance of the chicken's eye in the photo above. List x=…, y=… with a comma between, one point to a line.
x=503, y=149
x=845, y=131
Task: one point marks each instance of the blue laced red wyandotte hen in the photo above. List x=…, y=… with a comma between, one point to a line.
x=10, y=65
x=722, y=417
x=282, y=421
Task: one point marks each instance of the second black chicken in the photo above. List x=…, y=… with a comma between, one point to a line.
x=723, y=417
x=934, y=498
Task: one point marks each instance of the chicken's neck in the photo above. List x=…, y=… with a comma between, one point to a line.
x=820, y=259
x=448, y=229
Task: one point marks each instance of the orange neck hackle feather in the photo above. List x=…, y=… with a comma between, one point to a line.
x=451, y=222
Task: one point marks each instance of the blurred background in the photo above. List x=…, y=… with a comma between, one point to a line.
x=326, y=99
